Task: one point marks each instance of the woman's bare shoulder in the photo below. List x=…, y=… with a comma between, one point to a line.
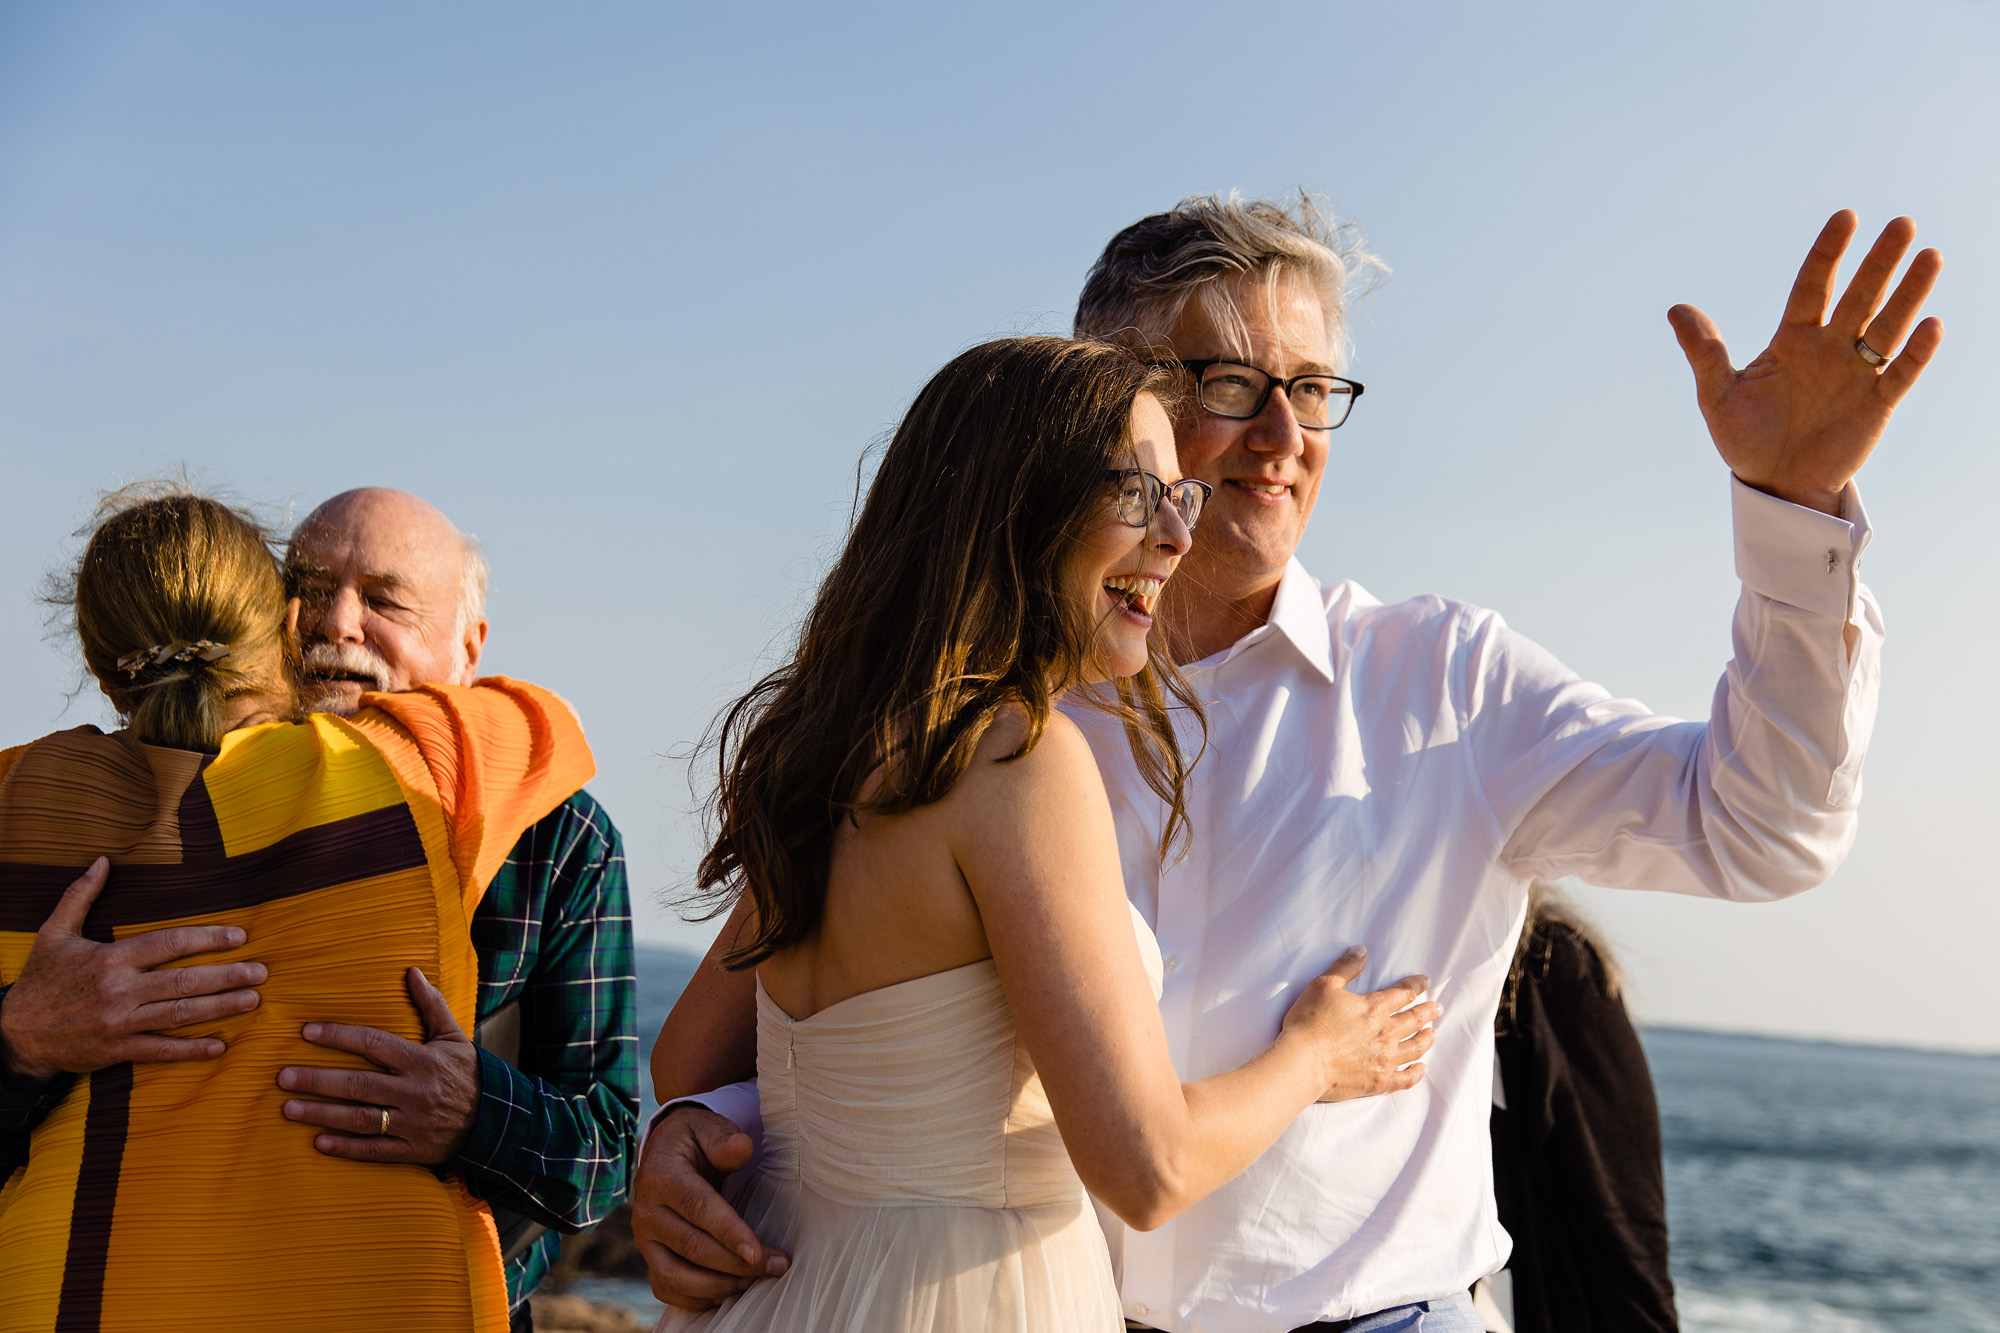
x=1007, y=793
x=1058, y=754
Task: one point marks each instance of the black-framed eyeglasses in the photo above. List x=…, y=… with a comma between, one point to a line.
x=1140, y=493
x=1239, y=392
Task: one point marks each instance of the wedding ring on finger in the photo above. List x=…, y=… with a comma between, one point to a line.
x=385, y=1123
x=1869, y=354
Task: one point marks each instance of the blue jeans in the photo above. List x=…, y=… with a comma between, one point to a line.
x=1452, y=1314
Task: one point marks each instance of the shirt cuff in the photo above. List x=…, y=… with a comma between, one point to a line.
x=505, y=1094
x=736, y=1103
x=1800, y=556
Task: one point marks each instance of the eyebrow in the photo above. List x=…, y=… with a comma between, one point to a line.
x=377, y=578
x=1305, y=367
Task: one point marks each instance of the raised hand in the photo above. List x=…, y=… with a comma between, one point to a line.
x=417, y=1105
x=1371, y=1041
x=698, y=1252
x=81, y=1005
x=1801, y=419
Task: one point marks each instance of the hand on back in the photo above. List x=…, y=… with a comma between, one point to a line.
x=698, y=1252
x=81, y=1005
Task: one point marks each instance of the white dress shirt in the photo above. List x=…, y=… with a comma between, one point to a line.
x=1393, y=776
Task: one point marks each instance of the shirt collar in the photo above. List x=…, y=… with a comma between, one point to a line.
x=1298, y=614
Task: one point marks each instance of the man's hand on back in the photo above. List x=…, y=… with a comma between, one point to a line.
x=697, y=1250
x=80, y=1005
x=1800, y=420
x=429, y=1089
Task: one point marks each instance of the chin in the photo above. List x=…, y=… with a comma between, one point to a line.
x=1123, y=666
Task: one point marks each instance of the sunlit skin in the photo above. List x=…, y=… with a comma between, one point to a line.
x=1116, y=550
x=382, y=570
x=1266, y=471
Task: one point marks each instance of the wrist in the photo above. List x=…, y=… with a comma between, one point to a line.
x=1311, y=1059
x=1805, y=497
x=20, y=1072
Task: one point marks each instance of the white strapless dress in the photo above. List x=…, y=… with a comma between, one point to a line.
x=914, y=1174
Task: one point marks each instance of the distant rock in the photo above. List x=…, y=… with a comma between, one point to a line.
x=606, y=1250
x=573, y=1314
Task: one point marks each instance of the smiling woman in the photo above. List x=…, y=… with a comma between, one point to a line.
x=1122, y=564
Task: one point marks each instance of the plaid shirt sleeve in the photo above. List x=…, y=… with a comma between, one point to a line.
x=553, y=1139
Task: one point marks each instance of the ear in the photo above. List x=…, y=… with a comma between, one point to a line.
x=475, y=644
x=292, y=620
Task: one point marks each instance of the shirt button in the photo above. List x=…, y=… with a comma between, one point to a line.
x=1171, y=963
x=1139, y=1309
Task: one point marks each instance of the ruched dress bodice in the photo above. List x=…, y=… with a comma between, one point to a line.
x=912, y=1169
x=917, y=1093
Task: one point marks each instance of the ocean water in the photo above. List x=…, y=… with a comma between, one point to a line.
x=1821, y=1187
x=1811, y=1188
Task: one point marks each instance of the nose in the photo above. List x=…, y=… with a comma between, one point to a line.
x=1275, y=430
x=338, y=620
x=1169, y=531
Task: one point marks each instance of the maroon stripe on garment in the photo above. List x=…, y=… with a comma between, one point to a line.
x=201, y=835
x=380, y=842
x=104, y=1127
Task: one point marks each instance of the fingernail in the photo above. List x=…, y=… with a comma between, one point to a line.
x=291, y=1110
x=749, y=1253
x=234, y=936
x=310, y=1032
x=776, y=1265
x=288, y=1078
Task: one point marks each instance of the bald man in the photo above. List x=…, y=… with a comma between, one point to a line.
x=540, y=1117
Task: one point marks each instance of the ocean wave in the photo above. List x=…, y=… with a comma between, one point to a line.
x=1706, y=1312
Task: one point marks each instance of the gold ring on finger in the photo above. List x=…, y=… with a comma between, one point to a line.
x=385, y=1122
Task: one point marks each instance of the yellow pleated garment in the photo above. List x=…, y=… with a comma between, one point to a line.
x=170, y=1196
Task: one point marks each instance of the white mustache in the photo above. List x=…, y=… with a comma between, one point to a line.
x=344, y=659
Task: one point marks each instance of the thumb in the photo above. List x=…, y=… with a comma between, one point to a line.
x=73, y=908
x=1348, y=966
x=1702, y=345
x=439, y=1024
x=726, y=1147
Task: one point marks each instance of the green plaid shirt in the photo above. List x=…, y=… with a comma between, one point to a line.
x=554, y=1138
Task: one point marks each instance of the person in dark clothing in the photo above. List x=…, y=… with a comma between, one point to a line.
x=1576, y=1141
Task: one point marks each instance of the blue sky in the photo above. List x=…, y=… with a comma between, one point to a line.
x=627, y=288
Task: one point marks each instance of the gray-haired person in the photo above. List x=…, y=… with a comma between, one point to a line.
x=1396, y=775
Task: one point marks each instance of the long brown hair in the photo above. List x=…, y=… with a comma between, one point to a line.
x=1551, y=913
x=948, y=605
x=179, y=607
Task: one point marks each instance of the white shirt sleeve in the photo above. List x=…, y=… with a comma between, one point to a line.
x=1758, y=803
x=736, y=1103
